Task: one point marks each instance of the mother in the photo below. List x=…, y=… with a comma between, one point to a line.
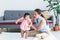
x=40, y=21
x=41, y=26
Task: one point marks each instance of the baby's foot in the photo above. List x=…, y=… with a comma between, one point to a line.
x=22, y=37
x=26, y=37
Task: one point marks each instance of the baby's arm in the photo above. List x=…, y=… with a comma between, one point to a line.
x=32, y=25
x=19, y=20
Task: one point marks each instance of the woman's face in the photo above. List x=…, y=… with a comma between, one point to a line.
x=36, y=15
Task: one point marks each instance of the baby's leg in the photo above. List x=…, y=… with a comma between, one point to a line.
x=22, y=33
x=27, y=31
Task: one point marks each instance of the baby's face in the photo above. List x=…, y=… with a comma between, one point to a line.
x=27, y=17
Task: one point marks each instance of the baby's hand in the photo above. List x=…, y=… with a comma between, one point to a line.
x=16, y=22
x=28, y=25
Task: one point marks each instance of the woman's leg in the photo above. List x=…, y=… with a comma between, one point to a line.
x=48, y=32
x=27, y=31
x=22, y=33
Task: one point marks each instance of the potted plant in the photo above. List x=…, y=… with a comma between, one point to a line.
x=55, y=7
x=56, y=28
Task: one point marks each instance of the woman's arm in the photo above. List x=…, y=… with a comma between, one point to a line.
x=33, y=18
x=33, y=27
x=41, y=25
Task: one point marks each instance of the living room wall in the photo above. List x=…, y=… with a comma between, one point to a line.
x=21, y=5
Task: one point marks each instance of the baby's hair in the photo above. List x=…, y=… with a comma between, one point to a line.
x=26, y=14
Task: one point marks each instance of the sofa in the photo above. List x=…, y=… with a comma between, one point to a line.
x=10, y=17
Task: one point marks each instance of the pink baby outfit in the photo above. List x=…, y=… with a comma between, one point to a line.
x=24, y=25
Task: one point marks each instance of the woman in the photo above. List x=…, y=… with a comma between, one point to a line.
x=41, y=26
x=40, y=21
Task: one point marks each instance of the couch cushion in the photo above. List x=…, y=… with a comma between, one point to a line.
x=46, y=14
x=15, y=14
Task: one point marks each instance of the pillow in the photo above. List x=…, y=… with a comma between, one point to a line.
x=46, y=14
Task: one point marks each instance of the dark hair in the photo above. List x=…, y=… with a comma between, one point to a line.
x=26, y=14
x=39, y=12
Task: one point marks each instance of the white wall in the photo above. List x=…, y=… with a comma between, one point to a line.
x=58, y=20
x=21, y=5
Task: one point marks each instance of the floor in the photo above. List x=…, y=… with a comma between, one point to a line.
x=56, y=34
x=16, y=36
x=12, y=36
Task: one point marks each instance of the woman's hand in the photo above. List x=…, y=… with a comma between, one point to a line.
x=33, y=18
x=38, y=29
x=35, y=30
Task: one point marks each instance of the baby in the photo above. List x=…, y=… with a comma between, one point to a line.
x=25, y=25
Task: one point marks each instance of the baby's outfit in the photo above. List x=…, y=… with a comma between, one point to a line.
x=24, y=25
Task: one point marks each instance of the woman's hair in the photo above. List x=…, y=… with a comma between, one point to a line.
x=26, y=14
x=39, y=12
